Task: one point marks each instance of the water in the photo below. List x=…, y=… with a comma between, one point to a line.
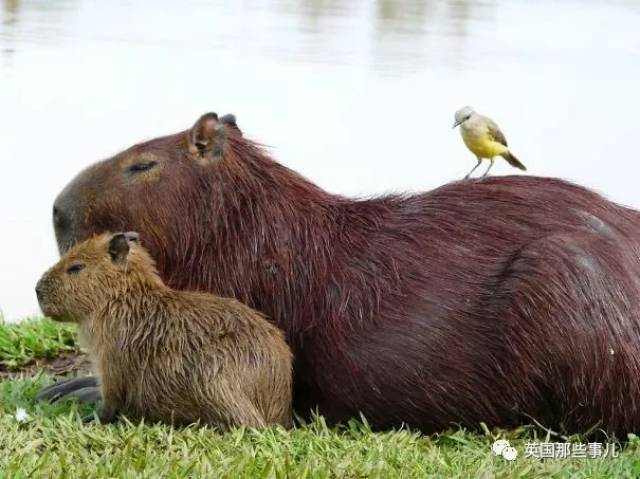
x=359, y=95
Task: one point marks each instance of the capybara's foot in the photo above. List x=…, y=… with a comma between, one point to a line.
x=85, y=389
x=89, y=419
x=88, y=395
x=102, y=417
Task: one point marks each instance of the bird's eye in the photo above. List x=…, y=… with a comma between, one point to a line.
x=141, y=167
x=75, y=268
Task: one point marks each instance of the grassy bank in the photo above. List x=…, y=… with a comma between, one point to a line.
x=52, y=442
x=36, y=339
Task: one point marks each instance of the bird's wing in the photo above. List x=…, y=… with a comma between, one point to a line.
x=495, y=133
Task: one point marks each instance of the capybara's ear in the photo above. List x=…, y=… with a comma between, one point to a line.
x=119, y=247
x=132, y=236
x=230, y=120
x=207, y=137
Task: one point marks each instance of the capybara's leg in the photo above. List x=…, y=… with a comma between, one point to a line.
x=239, y=411
x=248, y=417
x=277, y=410
x=109, y=408
x=568, y=308
x=68, y=389
x=107, y=414
x=88, y=395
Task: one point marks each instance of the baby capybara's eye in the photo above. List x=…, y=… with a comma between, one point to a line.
x=75, y=268
x=140, y=167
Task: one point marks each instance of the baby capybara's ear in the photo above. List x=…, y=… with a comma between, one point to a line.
x=119, y=247
x=207, y=137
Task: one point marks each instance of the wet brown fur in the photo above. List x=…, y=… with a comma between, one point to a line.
x=494, y=300
x=166, y=355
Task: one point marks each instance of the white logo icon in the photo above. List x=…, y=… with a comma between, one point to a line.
x=501, y=447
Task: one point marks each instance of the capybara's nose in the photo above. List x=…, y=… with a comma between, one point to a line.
x=62, y=224
x=60, y=218
x=39, y=292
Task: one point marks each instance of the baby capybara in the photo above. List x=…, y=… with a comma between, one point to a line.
x=166, y=355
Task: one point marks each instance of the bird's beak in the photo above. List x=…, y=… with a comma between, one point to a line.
x=456, y=123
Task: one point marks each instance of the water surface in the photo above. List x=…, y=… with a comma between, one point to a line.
x=357, y=95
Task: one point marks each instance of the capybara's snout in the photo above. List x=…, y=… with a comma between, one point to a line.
x=62, y=221
x=42, y=290
x=49, y=297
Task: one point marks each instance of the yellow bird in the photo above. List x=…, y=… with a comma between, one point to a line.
x=483, y=137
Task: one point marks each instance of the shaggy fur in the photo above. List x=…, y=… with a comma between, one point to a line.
x=166, y=355
x=494, y=300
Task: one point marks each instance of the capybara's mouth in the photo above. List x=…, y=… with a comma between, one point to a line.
x=45, y=306
x=46, y=310
x=55, y=316
x=65, y=246
x=65, y=231
x=66, y=241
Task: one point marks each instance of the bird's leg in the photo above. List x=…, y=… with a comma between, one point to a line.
x=491, y=160
x=473, y=169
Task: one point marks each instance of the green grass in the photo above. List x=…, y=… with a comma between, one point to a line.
x=54, y=443
x=32, y=339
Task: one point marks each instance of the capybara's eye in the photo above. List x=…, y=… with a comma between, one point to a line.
x=140, y=167
x=75, y=268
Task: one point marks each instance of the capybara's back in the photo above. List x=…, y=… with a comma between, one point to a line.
x=164, y=355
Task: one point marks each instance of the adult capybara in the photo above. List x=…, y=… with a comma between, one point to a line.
x=498, y=300
x=166, y=355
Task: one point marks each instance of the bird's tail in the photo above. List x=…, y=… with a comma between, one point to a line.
x=513, y=161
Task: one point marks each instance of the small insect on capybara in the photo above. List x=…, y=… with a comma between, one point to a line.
x=166, y=355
